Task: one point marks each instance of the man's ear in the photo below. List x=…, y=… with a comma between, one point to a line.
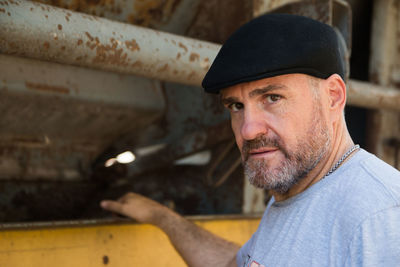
x=336, y=89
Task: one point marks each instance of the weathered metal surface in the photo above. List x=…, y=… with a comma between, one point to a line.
x=28, y=76
x=48, y=33
x=107, y=245
x=51, y=139
x=182, y=188
x=172, y=15
x=368, y=95
x=39, y=200
x=320, y=10
x=263, y=6
x=385, y=41
x=385, y=57
x=56, y=119
x=185, y=144
x=216, y=20
x=342, y=19
x=61, y=138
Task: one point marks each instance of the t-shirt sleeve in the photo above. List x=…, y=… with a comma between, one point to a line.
x=376, y=242
x=242, y=255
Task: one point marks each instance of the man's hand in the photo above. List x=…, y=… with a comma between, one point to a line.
x=197, y=246
x=137, y=207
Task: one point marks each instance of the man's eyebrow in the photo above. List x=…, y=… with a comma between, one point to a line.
x=263, y=90
x=228, y=100
x=258, y=91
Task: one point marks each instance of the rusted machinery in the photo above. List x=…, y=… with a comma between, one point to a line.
x=83, y=81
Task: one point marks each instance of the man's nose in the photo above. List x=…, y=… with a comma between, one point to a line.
x=253, y=125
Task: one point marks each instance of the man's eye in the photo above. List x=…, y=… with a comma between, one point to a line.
x=273, y=98
x=235, y=106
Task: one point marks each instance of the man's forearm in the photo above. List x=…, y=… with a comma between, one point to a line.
x=197, y=246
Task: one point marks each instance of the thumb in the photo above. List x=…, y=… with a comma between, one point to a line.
x=110, y=205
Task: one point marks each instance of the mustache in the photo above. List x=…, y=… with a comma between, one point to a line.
x=260, y=142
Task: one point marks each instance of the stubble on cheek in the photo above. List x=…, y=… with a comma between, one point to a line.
x=295, y=164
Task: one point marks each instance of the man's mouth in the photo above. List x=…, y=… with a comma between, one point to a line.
x=261, y=152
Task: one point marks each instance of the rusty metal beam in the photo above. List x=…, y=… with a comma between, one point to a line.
x=45, y=32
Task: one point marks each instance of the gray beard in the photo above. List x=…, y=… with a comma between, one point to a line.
x=297, y=163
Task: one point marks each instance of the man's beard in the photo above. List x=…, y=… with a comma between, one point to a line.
x=298, y=162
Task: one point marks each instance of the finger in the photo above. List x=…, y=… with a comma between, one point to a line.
x=126, y=197
x=112, y=206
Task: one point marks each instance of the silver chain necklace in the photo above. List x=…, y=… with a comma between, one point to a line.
x=343, y=158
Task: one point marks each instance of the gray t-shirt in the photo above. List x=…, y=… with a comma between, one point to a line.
x=350, y=218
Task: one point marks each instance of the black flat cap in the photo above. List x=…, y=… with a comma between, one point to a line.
x=276, y=44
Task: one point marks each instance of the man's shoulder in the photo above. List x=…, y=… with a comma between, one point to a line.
x=370, y=185
x=377, y=175
x=379, y=168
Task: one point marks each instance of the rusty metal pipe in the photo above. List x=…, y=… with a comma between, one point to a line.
x=44, y=32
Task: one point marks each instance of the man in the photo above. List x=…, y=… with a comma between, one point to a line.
x=334, y=204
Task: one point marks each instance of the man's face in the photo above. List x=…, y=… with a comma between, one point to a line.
x=280, y=126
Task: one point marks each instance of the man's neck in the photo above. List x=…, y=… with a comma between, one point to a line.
x=340, y=145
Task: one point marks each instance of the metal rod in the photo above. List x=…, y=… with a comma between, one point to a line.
x=44, y=32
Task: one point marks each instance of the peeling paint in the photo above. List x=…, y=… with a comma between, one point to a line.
x=110, y=54
x=137, y=64
x=183, y=46
x=89, y=36
x=191, y=75
x=132, y=45
x=205, y=64
x=194, y=57
x=163, y=68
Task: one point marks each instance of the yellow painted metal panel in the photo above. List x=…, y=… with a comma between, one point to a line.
x=105, y=245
